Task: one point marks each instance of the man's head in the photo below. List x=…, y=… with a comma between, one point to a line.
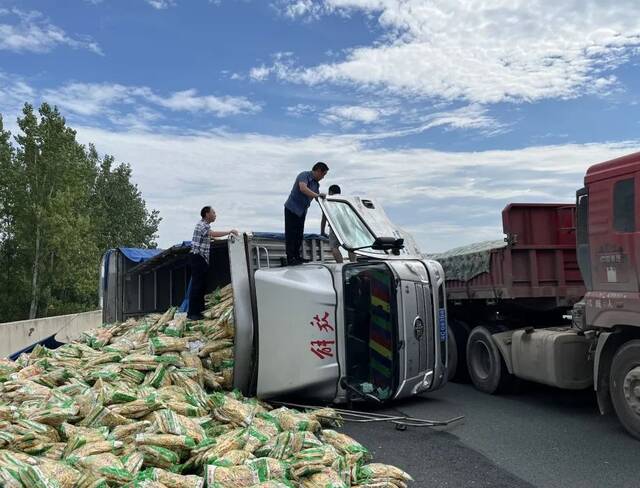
x=319, y=170
x=334, y=190
x=208, y=214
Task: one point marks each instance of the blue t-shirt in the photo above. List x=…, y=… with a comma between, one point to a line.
x=298, y=202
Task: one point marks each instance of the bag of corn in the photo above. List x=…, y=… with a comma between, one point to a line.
x=169, y=422
x=105, y=465
x=49, y=474
x=162, y=344
x=172, y=480
x=294, y=421
x=129, y=431
x=159, y=457
x=354, y=452
x=377, y=472
x=325, y=479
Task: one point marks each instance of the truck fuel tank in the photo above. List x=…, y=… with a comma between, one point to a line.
x=555, y=356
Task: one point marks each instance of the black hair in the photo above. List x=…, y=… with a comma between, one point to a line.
x=320, y=166
x=205, y=211
x=334, y=190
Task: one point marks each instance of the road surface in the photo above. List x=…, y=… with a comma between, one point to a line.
x=539, y=437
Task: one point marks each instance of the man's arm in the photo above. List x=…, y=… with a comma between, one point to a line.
x=323, y=224
x=310, y=193
x=222, y=233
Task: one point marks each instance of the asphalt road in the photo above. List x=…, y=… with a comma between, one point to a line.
x=539, y=437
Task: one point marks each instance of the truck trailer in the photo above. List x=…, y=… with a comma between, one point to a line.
x=557, y=301
x=374, y=329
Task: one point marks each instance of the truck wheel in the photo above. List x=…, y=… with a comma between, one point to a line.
x=486, y=367
x=625, y=386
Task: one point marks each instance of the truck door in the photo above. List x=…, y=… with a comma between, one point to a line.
x=371, y=330
x=613, y=229
x=358, y=222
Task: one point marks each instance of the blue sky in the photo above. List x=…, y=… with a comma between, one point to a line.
x=444, y=110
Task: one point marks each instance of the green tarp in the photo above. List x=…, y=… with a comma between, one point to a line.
x=467, y=262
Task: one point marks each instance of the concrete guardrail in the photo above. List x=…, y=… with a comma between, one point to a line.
x=15, y=336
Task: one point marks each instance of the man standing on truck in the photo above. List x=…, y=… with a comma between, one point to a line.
x=305, y=188
x=199, y=260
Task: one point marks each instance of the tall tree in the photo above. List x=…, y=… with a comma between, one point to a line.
x=122, y=218
x=51, y=191
x=11, y=290
x=61, y=207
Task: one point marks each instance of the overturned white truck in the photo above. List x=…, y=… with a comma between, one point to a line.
x=374, y=329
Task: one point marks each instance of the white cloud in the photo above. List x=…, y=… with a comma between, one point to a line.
x=259, y=73
x=483, y=51
x=420, y=188
x=91, y=99
x=467, y=117
x=300, y=109
x=470, y=117
x=161, y=4
x=32, y=32
x=303, y=8
x=347, y=115
x=189, y=100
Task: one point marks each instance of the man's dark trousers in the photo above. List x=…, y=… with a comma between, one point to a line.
x=293, y=235
x=199, y=270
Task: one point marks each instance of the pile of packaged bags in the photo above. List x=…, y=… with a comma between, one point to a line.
x=148, y=404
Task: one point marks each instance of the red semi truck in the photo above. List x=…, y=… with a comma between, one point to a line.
x=558, y=301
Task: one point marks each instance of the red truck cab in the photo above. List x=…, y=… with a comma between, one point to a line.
x=608, y=244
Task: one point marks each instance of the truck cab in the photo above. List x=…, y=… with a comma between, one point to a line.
x=608, y=244
x=374, y=329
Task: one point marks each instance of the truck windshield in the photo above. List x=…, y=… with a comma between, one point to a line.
x=349, y=227
x=370, y=308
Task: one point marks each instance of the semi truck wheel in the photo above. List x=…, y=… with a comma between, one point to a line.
x=625, y=386
x=486, y=367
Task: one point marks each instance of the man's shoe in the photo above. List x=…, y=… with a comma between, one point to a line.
x=303, y=260
x=195, y=317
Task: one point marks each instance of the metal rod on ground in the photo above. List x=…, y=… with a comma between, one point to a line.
x=368, y=417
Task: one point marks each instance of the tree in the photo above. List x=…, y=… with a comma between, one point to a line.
x=61, y=207
x=121, y=215
x=10, y=290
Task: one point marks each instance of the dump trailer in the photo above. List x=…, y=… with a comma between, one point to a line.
x=558, y=301
x=374, y=329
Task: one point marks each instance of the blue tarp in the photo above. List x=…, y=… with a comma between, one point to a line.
x=139, y=255
x=48, y=342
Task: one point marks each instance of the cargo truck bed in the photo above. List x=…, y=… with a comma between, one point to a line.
x=536, y=260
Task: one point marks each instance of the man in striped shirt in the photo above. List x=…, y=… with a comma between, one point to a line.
x=199, y=260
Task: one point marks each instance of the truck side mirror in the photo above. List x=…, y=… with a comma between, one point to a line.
x=387, y=244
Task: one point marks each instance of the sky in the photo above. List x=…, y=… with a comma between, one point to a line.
x=444, y=111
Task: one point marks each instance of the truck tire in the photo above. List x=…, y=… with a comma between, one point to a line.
x=487, y=369
x=624, y=386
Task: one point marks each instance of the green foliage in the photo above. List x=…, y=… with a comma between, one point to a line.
x=61, y=208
